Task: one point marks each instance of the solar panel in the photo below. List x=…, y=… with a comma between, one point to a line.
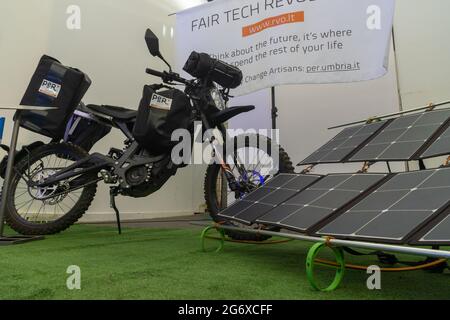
x=320, y=200
x=344, y=144
x=396, y=210
x=440, y=147
x=403, y=138
x=436, y=234
x=267, y=197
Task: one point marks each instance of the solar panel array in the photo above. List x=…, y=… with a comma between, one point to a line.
x=436, y=233
x=264, y=199
x=320, y=200
x=403, y=138
x=397, y=209
x=344, y=144
x=410, y=207
x=440, y=147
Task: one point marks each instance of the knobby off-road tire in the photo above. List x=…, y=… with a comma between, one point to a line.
x=63, y=152
x=212, y=175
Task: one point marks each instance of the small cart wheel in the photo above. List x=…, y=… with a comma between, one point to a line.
x=205, y=237
x=310, y=262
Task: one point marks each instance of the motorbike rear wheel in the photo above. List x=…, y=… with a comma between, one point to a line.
x=218, y=195
x=33, y=210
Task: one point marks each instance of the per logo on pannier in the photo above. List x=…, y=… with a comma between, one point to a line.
x=50, y=88
x=160, y=102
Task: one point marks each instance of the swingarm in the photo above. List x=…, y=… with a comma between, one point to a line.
x=92, y=163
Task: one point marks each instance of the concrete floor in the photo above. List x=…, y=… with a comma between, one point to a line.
x=162, y=223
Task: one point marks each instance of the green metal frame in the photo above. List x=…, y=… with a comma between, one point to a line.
x=310, y=263
x=204, y=236
x=319, y=243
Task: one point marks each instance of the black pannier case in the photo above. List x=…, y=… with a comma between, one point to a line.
x=201, y=65
x=160, y=114
x=53, y=85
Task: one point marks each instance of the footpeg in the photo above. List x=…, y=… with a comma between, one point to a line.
x=107, y=176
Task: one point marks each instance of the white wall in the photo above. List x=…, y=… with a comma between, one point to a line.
x=422, y=30
x=110, y=47
x=260, y=118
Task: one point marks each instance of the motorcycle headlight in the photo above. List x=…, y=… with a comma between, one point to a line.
x=217, y=97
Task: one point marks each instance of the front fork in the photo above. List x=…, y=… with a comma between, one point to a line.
x=218, y=151
x=235, y=185
x=228, y=173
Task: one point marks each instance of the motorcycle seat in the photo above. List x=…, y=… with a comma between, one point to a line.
x=118, y=113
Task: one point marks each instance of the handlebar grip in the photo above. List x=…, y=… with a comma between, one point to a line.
x=155, y=73
x=167, y=77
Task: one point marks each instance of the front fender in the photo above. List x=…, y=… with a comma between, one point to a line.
x=224, y=115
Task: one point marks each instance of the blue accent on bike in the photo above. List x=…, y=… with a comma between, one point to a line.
x=262, y=181
x=256, y=174
x=2, y=127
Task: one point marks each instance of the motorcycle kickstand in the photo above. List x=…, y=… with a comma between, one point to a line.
x=113, y=193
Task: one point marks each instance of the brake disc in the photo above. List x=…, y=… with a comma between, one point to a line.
x=44, y=193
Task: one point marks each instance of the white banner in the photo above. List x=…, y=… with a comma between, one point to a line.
x=277, y=42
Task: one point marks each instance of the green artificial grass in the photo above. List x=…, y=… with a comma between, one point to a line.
x=168, y=264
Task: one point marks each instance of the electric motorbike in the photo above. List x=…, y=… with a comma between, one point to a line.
x=55, y=184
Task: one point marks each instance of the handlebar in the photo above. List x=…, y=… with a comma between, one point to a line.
x=168, y=76
x=155, y=73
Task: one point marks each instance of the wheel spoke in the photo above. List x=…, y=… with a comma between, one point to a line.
x=257, y=167
x=59, y=206
x=23, y=204
x=34, y=217
x=28, y=210
x=68, y=196
x=25, y=192
x=62, y=203
x=54, y=211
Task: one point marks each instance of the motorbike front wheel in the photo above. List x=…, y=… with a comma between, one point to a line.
x=253, y=174
x=49, y=210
